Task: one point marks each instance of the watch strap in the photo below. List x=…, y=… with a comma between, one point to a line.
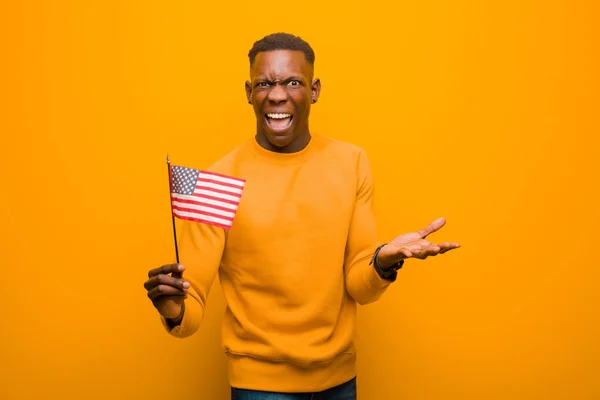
x=390, y=273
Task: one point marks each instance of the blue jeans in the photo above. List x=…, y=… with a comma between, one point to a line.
x=345, y=391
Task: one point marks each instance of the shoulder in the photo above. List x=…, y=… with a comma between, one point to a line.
x=229, y=163
x=340, y=147
x=343, y=151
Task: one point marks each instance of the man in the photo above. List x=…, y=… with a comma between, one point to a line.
x=302, y=251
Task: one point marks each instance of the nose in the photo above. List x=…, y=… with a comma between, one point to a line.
x=277, y=94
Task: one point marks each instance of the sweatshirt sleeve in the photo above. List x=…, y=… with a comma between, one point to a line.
x=362, y=281
x=200, y=251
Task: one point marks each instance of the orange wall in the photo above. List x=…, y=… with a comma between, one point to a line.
x=484, y=114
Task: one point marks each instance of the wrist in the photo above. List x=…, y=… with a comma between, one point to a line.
x=386, y=259
x=390, y=272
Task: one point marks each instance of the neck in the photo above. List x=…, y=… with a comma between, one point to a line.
x=297, y=145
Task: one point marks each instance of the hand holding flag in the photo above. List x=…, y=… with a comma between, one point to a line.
x=200, y=196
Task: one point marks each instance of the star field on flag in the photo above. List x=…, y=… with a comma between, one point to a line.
x=205, y=197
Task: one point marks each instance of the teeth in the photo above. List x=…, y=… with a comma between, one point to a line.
x=278, y=115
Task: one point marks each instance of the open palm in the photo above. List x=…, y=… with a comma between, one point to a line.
x=414, y=245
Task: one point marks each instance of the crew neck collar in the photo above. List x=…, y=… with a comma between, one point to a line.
x=286, y=158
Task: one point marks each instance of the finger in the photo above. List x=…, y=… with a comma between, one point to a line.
x=162, y=290
x=166, y=280
x=179, y=272
x=434, y=226
x=433, y=249
x=166, y=269
x=430, y=251
x=419, y=245
x=165, y=297
x=448, y=246
x=426, y=250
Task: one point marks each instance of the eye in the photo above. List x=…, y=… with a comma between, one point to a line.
x=294, y=83
x=263, y=84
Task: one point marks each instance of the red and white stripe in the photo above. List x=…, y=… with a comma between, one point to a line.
x=215, y=200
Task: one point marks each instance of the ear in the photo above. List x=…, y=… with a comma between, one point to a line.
x=249, y=92
x=315, y=90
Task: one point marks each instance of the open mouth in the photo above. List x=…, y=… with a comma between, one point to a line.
x=279, y=122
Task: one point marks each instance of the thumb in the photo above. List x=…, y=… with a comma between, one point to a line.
x=434, y=226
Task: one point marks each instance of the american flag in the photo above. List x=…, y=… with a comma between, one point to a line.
x=204, y=196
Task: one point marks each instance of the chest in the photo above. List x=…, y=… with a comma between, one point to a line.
x=287, y=202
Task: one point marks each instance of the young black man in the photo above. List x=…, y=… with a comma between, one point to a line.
x=302, y=252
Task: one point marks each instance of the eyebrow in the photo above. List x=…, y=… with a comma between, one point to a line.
x=291, y=78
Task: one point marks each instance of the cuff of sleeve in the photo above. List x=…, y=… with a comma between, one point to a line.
x=190, y=322
x=373, y=280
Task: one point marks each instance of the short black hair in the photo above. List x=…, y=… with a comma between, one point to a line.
x=282, y=41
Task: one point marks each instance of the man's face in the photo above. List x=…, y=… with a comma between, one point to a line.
x=281, y=91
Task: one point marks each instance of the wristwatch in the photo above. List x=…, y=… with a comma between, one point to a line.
x=390, y=273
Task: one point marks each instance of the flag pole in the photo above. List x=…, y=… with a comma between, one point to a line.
x=172, y=214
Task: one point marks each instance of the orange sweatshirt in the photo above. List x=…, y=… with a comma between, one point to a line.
x=292, y=267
